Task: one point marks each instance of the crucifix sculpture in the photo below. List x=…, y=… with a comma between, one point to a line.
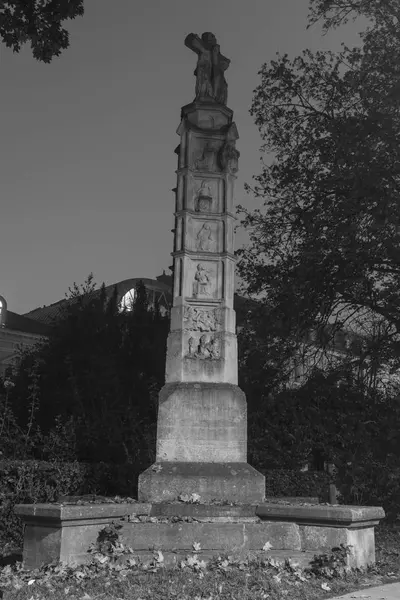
x=211, y=64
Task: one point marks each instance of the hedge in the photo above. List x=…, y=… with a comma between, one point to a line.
x=25, y=482
x=281, y=482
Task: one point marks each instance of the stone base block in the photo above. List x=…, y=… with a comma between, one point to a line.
x=325, y=527
x=201, y=422
x=227, y=482
x=57, y=532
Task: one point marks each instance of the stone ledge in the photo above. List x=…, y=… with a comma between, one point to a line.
x=323, y=515
x=62, y=513
x=180, y=509
x=64, y=532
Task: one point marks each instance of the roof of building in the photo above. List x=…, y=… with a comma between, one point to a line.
x=22, y=323
x=161, y=290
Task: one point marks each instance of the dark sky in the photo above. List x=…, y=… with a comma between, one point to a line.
x=86, y=144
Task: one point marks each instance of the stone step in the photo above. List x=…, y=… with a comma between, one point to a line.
x=197, y=511
x=226, y=535
x=173, y=558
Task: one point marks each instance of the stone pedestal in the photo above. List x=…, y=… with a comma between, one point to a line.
x=202, y=422
x=202, y=419
x=234, y=482
x=202, y=447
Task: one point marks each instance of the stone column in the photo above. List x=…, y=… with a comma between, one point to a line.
x=202, y=419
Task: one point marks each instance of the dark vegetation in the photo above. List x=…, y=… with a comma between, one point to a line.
x=38, y=23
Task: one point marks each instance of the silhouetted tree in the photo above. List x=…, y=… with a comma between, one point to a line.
x=98, y=375
x=325, y=247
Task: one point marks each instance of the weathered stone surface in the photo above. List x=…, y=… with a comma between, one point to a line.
x=325, y=527
x=361, y=542
x=223, y=536
x=86, y=512
x=345, y=516
x=198, y=511
x=42, y=544
x=65, y=532
x=172, y=559
x=229, y=482
x=292, y=499
x=202, y=423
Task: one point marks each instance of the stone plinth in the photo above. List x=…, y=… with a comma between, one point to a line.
x=199, y=422
x=235, y=482
x=56, y=532
x=325, y=527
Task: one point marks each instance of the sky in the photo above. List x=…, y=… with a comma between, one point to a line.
x=87, y=142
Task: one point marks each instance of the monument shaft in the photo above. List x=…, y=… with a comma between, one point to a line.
x=202, y=418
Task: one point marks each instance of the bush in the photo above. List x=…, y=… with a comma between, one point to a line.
x=282, y=482
x=25, y=482
x=373, y=483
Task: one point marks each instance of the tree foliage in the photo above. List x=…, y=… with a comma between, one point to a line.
x=94, y=382
x=39, y=23
x=324, y=250
x=327, y=242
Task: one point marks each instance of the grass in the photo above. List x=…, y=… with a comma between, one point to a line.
x=221, y=579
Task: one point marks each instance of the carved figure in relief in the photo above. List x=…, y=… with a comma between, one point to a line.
x=229, y=157
x=206, y=161
x=204, y=199
x=205, y=240
x=202, y=282
x=211, y=65
x=192, y=346
x=207, y=348
x=200, y=319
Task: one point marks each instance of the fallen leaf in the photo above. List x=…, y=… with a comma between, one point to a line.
x=267, y=546
x=325, y=587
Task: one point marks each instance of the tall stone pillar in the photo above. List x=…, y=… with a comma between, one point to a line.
x=202, y=418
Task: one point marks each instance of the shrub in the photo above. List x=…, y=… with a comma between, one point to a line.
x=282, y=482
x=25, y=482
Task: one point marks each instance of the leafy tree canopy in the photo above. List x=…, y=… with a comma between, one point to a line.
x=324, y=249
x=39, y=23
x=326, y=244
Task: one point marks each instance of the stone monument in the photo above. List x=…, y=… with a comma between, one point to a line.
x=201, y=492
x=202, y=419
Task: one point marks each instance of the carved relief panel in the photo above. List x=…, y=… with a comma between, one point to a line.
x=204, y=235
x=197, y=318
x=204, y=279
x=204, y=155
x=205, y=195
x=204, y=347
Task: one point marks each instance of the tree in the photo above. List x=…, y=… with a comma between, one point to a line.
x=95, y=380
x=38, y=22
x=324, y=250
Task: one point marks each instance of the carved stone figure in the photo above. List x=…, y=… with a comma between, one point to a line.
x=204, y=199
x=206, y=161
x=229, y=157
x=200, y=319
x=208, y=348
x=204, y=239
x=202, y=282
x=192, y=346
x=210, y=68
